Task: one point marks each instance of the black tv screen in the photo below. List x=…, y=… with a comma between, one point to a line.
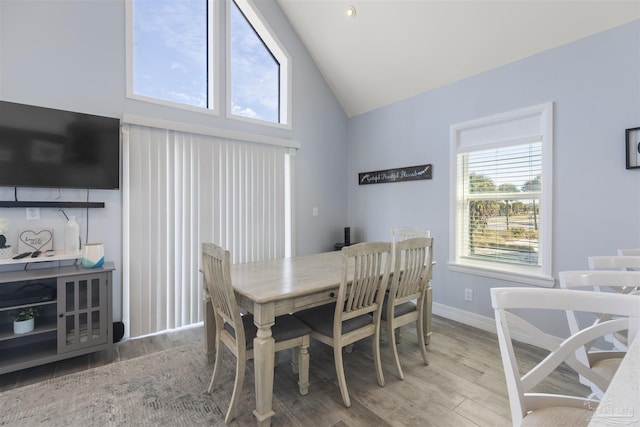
x=45, y=147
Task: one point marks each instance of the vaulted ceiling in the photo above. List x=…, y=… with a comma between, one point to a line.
x=394, y=49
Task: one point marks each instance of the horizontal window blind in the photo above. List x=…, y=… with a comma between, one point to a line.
x=181, y=189
x=501, y=201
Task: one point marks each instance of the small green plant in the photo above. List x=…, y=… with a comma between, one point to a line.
x=23, y=314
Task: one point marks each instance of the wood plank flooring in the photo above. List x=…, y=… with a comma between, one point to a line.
x=463, y=385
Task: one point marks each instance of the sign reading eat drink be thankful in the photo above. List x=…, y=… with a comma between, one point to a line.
x=411, y=173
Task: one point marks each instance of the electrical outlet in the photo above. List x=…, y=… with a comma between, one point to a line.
x=468, y=294
x=33, y=213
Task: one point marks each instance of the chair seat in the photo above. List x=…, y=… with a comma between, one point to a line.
x=320, y=320
x=286, y=327
x=606, y=368
x=399, y=310
x=558, y=416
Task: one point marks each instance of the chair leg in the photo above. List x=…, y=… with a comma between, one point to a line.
x=398, y=335
x=421, y=338
x=342, y=381
x=241, y=363
x=427, y=314
x=376, y=356
x=394, y=348
x=216, y=366
x=302, y=354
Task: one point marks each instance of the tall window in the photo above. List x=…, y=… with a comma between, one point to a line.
x=258, y=68
x=170, y=47
x=172, y=59
x=502, y=196
x=255, y=72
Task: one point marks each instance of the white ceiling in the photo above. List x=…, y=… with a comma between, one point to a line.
x=394, y=49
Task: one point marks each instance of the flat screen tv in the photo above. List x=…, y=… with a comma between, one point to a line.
x=45, y=147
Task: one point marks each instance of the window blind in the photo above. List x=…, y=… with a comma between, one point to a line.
x=501, y=190
x=179, y=190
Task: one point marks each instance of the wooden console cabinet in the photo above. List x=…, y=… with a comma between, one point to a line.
x=76, y=314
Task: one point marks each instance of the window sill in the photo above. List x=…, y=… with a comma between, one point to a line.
x=511, y=276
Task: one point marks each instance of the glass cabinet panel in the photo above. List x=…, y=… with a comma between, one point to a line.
x=82, y=319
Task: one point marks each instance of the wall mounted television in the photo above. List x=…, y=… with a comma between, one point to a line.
x=45, y=147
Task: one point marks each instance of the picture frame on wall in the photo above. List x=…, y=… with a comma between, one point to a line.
x=632, y=145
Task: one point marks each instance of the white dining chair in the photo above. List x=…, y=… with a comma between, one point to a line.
x=629, y=252
x=529, y=406
x=403, y=233
x=617, y=262
x=603, y=362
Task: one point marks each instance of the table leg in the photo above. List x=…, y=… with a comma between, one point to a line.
x=209, y=329
x=264, y=356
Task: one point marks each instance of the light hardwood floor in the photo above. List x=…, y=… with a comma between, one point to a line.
x=462, y=386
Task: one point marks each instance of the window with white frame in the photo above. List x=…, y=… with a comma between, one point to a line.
x=170, y=51
x=172, y=59
x=258, y=68
x=501, y=199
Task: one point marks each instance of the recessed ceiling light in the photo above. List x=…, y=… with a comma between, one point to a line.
x=351, y=11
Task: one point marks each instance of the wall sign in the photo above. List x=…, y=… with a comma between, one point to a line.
x=411, y=173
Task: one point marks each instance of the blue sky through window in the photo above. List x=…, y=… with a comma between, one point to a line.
x=254, y=72
x=170, y=50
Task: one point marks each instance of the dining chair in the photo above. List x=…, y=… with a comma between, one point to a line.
x=404, y=303
x=237, y=331
x=629, y=252
x=619, y=262
x=403, y=233
x=604, y=363
x=356, y=313
x=529, y=404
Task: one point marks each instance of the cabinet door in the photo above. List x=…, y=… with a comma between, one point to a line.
x=82, y=311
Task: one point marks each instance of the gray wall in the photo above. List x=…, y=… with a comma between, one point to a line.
x=71, y=55
x=595, y=86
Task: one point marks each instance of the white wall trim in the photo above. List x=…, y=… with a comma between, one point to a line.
x=153, y=122
x=477, y=321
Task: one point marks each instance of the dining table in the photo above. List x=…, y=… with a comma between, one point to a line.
x=268, y=289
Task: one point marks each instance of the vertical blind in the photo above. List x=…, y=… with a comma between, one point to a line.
x=182, y=189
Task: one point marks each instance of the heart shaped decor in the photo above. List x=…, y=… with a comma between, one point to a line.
x=35, y=240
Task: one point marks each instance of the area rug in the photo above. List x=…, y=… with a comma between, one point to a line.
x=166, y=388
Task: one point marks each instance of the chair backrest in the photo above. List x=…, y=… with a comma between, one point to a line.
x=629, y=252
x=365, y=276
x=598, y=279
x=415, y=263
x=216, y=266
x=504, y=300
x=626, y=262
x=403, y=233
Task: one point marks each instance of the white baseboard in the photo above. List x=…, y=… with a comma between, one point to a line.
x=472, y=319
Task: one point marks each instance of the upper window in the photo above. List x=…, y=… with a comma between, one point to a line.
x=172, y=59
x=169, y=52
x=258, y=68
x=502, y=196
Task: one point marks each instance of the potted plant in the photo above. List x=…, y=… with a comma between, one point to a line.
x=23, y=319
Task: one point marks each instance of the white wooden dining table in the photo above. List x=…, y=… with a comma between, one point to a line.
x=268, y=289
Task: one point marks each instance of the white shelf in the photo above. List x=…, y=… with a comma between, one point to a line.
x=57, y=256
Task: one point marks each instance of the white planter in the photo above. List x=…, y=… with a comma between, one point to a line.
x=23, y=326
